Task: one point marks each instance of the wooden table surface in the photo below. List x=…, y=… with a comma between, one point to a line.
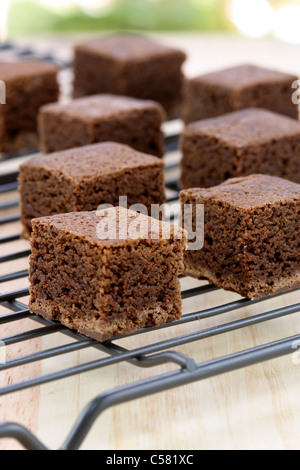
x=253, y=408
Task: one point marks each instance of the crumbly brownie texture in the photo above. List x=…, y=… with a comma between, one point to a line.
x=82, y=179
x=235, y=88
x=108, y=287
x=252, y=235
x=131, y=66
x=29, y=85
x=239, y=144
x=100, y=118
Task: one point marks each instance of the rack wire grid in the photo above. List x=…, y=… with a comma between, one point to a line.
x=186, y=369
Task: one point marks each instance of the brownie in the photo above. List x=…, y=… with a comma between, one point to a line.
x=92, y=272
x=101, y=118
x=234, y=88
x=237, y=144
x=251, y=235
x=130, y=65
x=29, y=85
x=83, y=178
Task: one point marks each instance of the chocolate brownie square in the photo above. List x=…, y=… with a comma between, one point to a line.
x=251, y=235
x=28, y=86
x=130, y=65
x=83, y=178
x=239, y=144
x=101, y=118
x=234, y=88
x=106, y=273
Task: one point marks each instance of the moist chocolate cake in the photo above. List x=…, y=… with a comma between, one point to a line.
x=251, y=235
x=28, y=86
x=83, y=178
x=234, y=88
x=130, y=65
x=95, y=273
x=101, y=118
x=239, y=144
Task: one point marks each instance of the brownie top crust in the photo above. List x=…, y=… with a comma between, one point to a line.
x=116, y=226
x=102, y=106
x=16, y=70
x=93, y=160
x=243, y=76
x=129, y=48
x=250, y=191
x=251, y=126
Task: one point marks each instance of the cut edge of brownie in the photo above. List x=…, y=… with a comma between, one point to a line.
x=279, y=286
x=126, y=173
x=229, y=93
x=92, y=300
x=30, y=84
x=103, y=117
x=261, y=254
x=239, y=144
x=128, y=64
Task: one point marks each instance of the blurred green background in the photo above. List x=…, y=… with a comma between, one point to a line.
x=254, y=18
x=30, y=16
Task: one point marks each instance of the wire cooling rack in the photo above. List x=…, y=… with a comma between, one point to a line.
x=187, y=370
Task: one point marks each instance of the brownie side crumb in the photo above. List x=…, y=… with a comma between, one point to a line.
x=29, y=86
x=251, y=236
x=131, y=66
x=103, y=288
x=240, y=144
x=235, y=88
x=101, y=118
x=82, y=179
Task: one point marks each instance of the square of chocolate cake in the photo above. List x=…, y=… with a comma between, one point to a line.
x=100, y=118
x=241, y=143
x=106, y=273
x=130, y=65
x=234, y=88
x=28, y=86
x=251, y=235
x=83, y=178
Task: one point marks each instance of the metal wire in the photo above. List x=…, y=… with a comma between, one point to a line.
x=151, y=355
